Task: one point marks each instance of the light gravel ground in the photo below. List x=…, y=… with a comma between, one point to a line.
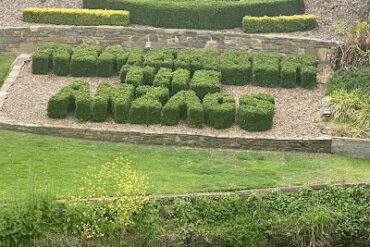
x=328, y=12
x=297, y=110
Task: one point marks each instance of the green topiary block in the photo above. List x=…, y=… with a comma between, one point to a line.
x=219, y=110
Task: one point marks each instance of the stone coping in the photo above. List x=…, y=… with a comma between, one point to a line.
x=352, y=147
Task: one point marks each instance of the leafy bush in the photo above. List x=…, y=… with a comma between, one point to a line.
x=78, y=17
x=236, y=67
x=298, y=70
x=135, y=56
x=160, y=57
x=198, y=14
x=219, y=110
x=145, y=110
x=279, y=24
x=111, y=61
x=357, y=78
x=192, y=59
x=138, y=75
x=180, y=80
x=206, y=81
x=256, y=112
x=83, y=61
x=73, y=97
x=163, y=78
x=267, y=69
x=114, y=100
x=135, y=76
x=160, y=93
x=184, y=105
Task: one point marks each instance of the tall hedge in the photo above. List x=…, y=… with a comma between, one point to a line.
x=266, y=68
x=83, y=61
x=197, y=14
x=219, y=110
x=206, y=81
x=236, y=67
x=75, y=97
x=256, y=112
x=184, y=105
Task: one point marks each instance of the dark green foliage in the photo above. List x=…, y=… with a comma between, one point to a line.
x=219, y=110
x=256, y=111
x=135, y=76
x=73, y=97
x=267, y=69
x=192, y=59
x=298, y=70
x=278, y=24
x=135, y=56
x=83, y=61
x=145, y=110
x=355, y=79
x=160, y=57
x=148, y=74
x=198, y=14
x=206, y=81
x=163, y=78
x=123, y=72
x=114, y=100
x=160, y=93
x=289, y=71
x=111, y=61
x=180, y=80
x=42, y=59
x=236, y=67
x=185, y=105
x=209, y=60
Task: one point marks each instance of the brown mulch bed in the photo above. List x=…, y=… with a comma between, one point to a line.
x=297, y=110
x=328, y=12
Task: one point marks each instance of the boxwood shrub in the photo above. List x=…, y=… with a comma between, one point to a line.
x=83, y=61
x=135, y=76
x=184, y=105
x=135, y=56
x=145, y=110
x=193, y=59
x=163, y=78
x=256, y=111
x=206, y=81
x=160, y=57
x=298, y=70
x=180, y=80
x=114, y=100
x=110, y=60
x=160, y=93
x=197, y=14
x=219, y=110
x=77, y=17
x=278, y=24
x=266, y=69
x=236, y=67
x=73, y=97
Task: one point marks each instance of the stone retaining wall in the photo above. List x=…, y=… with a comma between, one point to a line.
x=25, y=39
x=357, y=148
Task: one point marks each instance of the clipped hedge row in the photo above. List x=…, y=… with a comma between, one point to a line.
x=84, y=60
x=256, y=112
x=219, y=110
x=194, y=14
x=193, y=59
x=77, y=17
x=298, y=70
x=236, y=67
x=279, y=24
x=206, y=81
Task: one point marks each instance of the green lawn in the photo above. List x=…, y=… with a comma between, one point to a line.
x=29, y=162
x=5, y=61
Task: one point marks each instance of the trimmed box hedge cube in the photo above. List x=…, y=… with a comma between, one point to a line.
x=160, y=57
x=219, y=110
x=83, y=61
x=256, y=112
x=308, y=71
x=180, y=80
x=135, y=76
x=61, y=62
x=209, y=60
x=267, y=69
x=184, y=105
x=111, y=61
x=236, y=67
x=160, y=93
x=148, y=74
x=163, y=78
x=192, y=59
x=145, y=110
x=289, y=71
x=135, y=56
x=73, y=97
x=298, y=70
x=206, y=81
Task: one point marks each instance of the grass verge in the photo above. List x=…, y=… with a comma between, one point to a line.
x=6, y=61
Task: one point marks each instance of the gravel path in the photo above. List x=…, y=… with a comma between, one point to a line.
x=297, y=110
x=328, y=11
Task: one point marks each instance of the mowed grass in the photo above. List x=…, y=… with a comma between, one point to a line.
x=6, y=60
x=32, y=162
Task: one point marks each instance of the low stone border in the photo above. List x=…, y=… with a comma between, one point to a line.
x=357, y=148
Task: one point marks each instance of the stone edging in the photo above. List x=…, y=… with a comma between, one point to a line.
x=353, y=147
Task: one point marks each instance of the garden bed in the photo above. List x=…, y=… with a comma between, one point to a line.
x=297, y=110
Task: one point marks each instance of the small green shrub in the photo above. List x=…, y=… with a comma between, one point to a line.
x=145, y=110
x=298, y=70
x=180, y=80
x=135, y=76
x=160, y=93
x=256, y=112
x=111, y=61
x=73, y=97
x=78, y=17
x=278, y=24
x=192, y=59
x=184, y=105
x=61, y=62
x=236, y=67
x=135, y=56
x=355, y=79
x=267, y=69
x=160, y=57
x=163, y=78
x=148, y=74
x=219, y=110
x=83, y=61
x=206, y=81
